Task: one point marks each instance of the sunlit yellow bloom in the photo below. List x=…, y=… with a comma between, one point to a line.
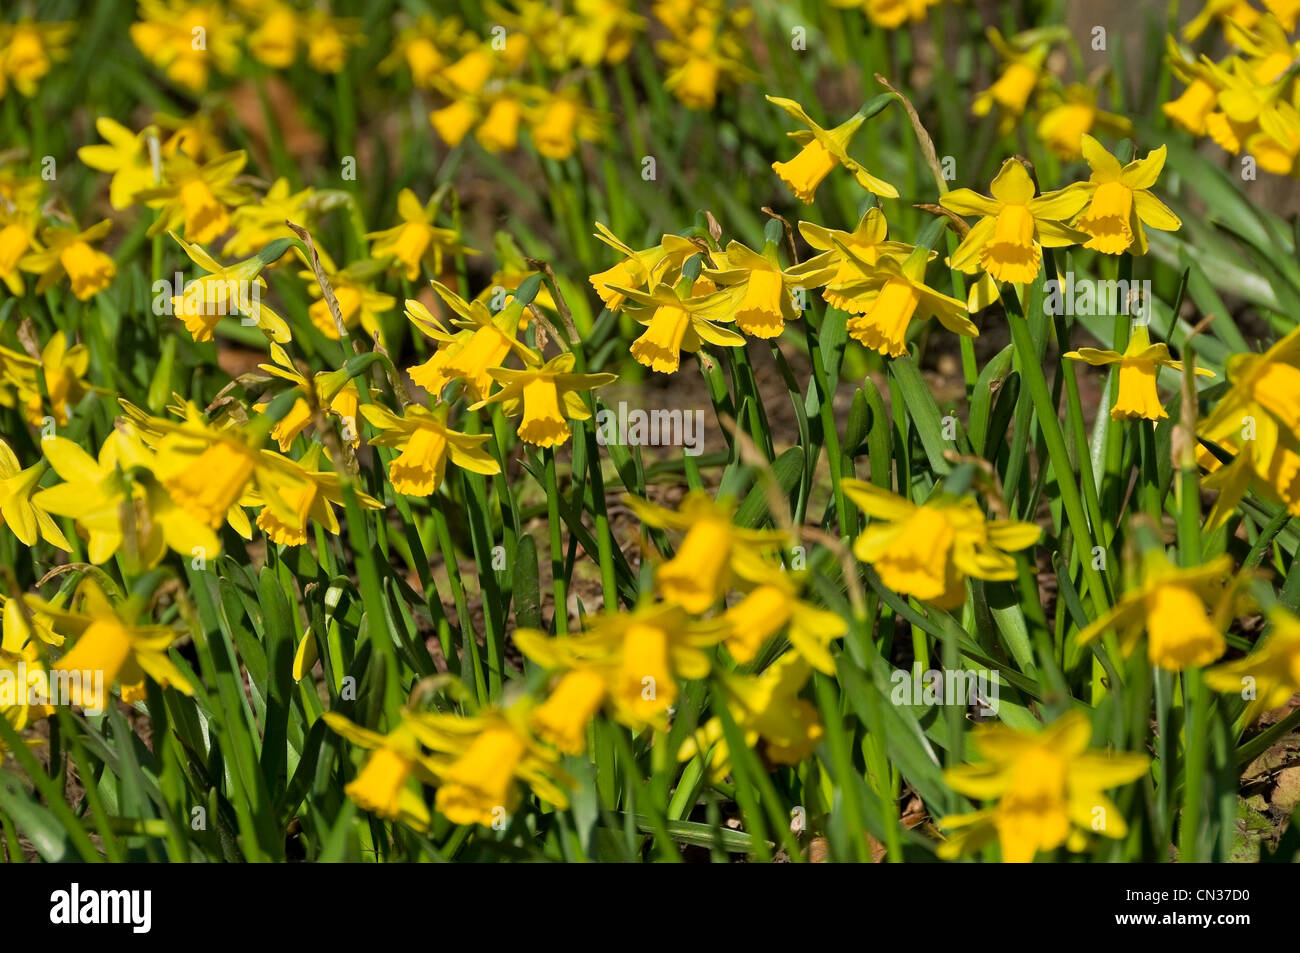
x=1270, y=674
x=1258, y=420
x=309, y=493
x=772, y=605
x=889, y=14
x=1063, y=127
x=335, y=391
x=259, y=223
x=19, y=511
x=107, y=640
x=1049, y=788
x=1139, y=365
x=195, y=135
x=186, y=40
x=705, y=52
x=562, y=719
x=1184, y=613
x=417, y=239
x=713, y=552
x=499, y=131
x=1115, y=203
x=1007, y=242
x=641, y=655
x=65, y=250
x=358, y=301
x=559, y=122
x=454, y=121
x=483, y=756
x=927, y=551
x=196, y=197
x=601, y=31
x=892, y=296
x=674, y=323
x=383, y=786
x=234, y=290
x=762, y=294
x=208, y=471
x=427, y=443
x=639, y=269
x=119, y=505
x=17, y=232
x=64, y=369
x=1023, y=59
x=1239, y=12
x=24, y=683
x=846, y=253
x=512, y=270
x=823, y=150
x=275, y=42
x=422, y=47
x=28, y=48
x=547, y=397
x=484, y=341
x=126, y=156
x=769, y=713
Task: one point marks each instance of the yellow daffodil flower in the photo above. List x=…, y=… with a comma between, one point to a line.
x=65, y=250
x=64, y=369
x=1271, y=671
x=417, y=239
x=761, y=292
x=166, y=35
x=358, y=301
x=337, y=393
x=771, y=605
x=1049, y=788
x=427, y=443
x=640, y=655
x=892, y=296
x=1007, y=241
x=847, y=253
x=559, y=122
x=1258, y=419
x=713, y=552
x=309, y=493
x=484, y=755
x=1115, y=202
x=329, y=38
x=383, y=787
x=275, y=42
x=1138, y=367
x=225, y=291
x=107, y=639
x=259, y=223
x=196, y=198
x=29, y=48
x=547, y=397
x=675, y=323
x=1023, y=57
x=769, y=713
x=1063, y=126
x=640, y=269
x=208, y=470
x=484, y=341
x=126, y=156
x=823, y=150
x=19, y=511
x=119, y=505
x=927, y=551
x=1184, y=613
